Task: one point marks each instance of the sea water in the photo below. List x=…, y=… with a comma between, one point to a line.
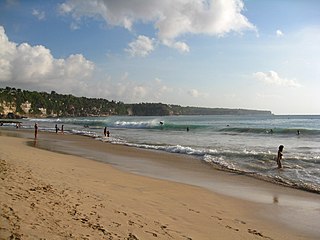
x=244, y=144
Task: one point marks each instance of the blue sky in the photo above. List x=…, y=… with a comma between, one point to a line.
x=253, y=54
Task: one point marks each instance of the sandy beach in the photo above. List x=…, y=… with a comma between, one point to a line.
x=51, y=195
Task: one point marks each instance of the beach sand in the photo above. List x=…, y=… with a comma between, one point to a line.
x=50, y=195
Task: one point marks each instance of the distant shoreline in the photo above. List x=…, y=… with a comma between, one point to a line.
x=16, y=103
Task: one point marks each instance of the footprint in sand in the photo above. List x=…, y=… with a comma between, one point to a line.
x=219, y=218
x=115, y=224
x=239, y=221
x=153, y=234
x=194, y=210
x=131, y=223
x=116, y=211
x=132, y=237
x=188, y=238
x=255, y=232
x=235, y=229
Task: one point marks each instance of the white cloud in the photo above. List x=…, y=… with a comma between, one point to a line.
x=139, y=91
x=65, y=8
x=196, y=93
x=279, y=33
x=180, y=46
x=273, y=78
x=74, y=26
x=193, y=93
x=7, y=51
x=39, y=14
x=34, y=67
x=141, y=47
x=171, y=19
x=131, y=91
x=160, y=89
x=27, y=65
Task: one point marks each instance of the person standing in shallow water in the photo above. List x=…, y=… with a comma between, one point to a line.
x=279, y=157
x=35, y=131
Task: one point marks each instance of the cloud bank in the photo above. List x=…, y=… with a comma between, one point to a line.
x=33, y=65
x=273, y=78
x=142, y=46
x=171, y=19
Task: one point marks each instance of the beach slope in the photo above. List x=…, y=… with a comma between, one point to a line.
x=48, y=195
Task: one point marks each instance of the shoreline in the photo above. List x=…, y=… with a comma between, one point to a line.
x=83, y=146
x=285, y=204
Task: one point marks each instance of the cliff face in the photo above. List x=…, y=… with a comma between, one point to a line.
x=10, y=110
x=10, y=107
x=7, y=107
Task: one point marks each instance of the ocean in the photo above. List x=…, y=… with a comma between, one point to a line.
x=242, y=144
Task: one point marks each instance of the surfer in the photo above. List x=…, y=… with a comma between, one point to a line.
x=161, y=125
x=105, y=131
x=279, y=157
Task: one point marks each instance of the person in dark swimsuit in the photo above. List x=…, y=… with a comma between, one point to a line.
x=279, y=157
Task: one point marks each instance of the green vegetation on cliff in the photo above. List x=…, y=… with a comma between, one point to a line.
x=19, y=102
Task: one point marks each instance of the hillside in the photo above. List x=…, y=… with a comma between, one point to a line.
x=16, y=103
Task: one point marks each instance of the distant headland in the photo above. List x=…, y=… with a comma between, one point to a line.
x=17, y=103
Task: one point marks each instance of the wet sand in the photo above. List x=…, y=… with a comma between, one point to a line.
x=47, y=194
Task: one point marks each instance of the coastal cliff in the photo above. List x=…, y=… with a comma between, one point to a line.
x=17, y=103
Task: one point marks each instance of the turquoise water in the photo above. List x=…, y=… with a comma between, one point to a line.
x=244, y=144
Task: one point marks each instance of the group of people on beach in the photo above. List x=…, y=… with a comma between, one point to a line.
x=36, y=129
x=106, y=132
x=57, y=129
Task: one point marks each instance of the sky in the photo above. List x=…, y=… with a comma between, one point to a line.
x=252, y=54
